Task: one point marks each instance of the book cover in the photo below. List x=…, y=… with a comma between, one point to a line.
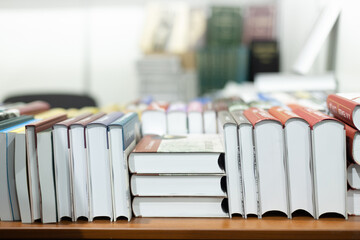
x=310, y=115
x=343, y=108
x=256, y=115
x=178, y=144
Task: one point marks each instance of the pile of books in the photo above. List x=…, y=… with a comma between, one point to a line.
x=179, y=176
x=345, y=107
x=203, y=159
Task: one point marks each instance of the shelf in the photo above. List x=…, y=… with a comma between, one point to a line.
x=190, y=228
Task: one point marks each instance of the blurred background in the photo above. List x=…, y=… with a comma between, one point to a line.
x=118, y=51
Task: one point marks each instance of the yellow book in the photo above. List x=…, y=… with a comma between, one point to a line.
x=50, y=113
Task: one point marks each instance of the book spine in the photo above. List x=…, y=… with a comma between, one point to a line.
x=341, y=108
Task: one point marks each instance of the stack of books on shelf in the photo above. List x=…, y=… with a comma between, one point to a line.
x=179, y=176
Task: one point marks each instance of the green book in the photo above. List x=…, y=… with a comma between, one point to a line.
x=14, y=121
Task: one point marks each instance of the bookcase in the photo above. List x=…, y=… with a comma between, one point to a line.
x=190, y=228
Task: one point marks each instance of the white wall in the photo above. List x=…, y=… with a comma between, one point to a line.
x=91, y=45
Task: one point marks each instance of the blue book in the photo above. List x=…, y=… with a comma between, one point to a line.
x=122, y=135
x=99, y=170
x=9, y=208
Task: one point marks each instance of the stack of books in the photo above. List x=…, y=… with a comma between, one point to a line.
x=163, y=77
x=346, y=108
x=179, y=176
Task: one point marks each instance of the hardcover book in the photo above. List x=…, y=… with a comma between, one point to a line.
x=193, y=153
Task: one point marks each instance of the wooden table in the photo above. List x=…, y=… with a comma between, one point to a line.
x=191, y=228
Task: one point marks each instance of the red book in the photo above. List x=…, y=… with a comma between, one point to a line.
x=344, y=109
x=352, y=143
x=256, y=115
x=33, y=108
x=282, y=114
x=312, y=116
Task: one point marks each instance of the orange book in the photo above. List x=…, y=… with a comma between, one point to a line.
x=347, y=110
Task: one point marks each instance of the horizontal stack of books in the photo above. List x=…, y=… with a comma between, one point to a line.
x=179, y=177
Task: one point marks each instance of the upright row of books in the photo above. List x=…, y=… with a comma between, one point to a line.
x=54, y=167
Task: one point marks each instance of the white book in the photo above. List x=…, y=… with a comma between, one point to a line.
x=62, y=166
x=122, y=139
x=179, y=185
x=153, y=119
x=195, y=118
x=9, y=209
x=32, y=161
x=46, y=176
x=180, y=207
x=353, y=202
x=209, y=115
x=299, y=160
x=192, y=153
x=270, y=161
x=328, y=140
x=21, y=179
x=353, y=176
x=248, y=165
x=228, y=130
x=177, y=119
x=100, y=173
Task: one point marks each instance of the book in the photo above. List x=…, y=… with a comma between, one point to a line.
x=193, y=153
x=259, y=23
x=195, y=117
x=99, y=179
x=123, y=136
x=79, y=166
x=224, y=26
x=9, y=209
x=61, y=147
x=299, y=160
x=353, y=202
x=21, y=176
x=264, y=57
x=353, y=176
x=180, y=207
x=31, y=131
x=233, y=167
x=248, y=165
x=270, y=154
x=176, y=118
x=14, y=121
x=209, y=116
x=329, y=160
x=352, y=143
x=45, y=163
x=347, y=110
x=194, y=185
x=154, y=119
x=33, y=108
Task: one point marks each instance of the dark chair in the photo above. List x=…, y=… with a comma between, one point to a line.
x=55, y=100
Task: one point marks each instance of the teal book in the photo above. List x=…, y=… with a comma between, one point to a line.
x=123, y=135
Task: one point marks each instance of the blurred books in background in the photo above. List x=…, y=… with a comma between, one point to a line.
x=190, y=51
